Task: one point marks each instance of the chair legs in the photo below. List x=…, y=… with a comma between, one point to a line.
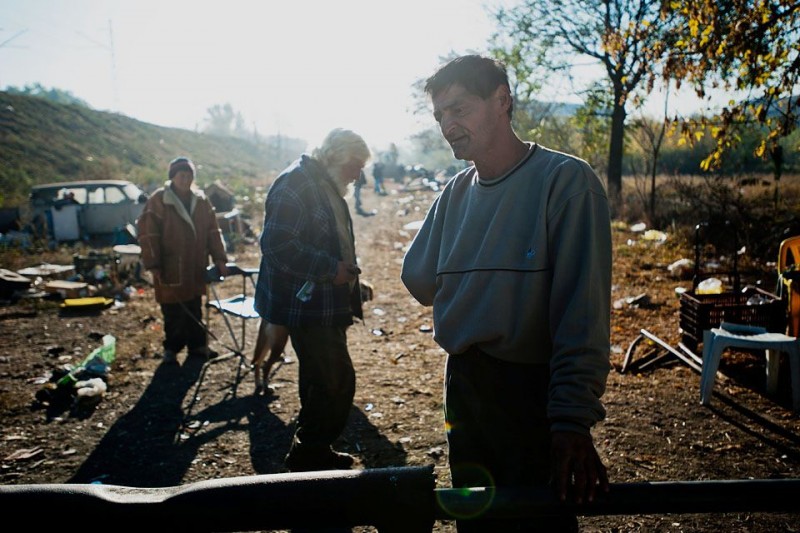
x=712, y=351
x=794, y=369
x=713, y=348
x=773, y=363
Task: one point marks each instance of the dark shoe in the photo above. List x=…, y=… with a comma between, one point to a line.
x=204, y=353
x=306, y=460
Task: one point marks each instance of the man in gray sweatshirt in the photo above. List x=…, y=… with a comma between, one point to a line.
x=515, y=257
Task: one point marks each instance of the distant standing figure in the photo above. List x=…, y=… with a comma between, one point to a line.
x=514, y=256
x=178, y=231
x=377, y=176
x=360, y=182
x=308, y=282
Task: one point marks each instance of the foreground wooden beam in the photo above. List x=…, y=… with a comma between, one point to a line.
x=663, y=497
x=390, y=499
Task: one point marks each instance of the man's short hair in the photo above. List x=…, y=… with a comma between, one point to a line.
x=479, y=75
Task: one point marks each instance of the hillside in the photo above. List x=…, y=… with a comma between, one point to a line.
x=42, y=141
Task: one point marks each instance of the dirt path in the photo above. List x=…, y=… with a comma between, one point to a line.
x=151, y=430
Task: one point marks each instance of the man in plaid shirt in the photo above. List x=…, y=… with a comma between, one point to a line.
x=308, y=282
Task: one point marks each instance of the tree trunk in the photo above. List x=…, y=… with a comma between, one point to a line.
x=615, y=152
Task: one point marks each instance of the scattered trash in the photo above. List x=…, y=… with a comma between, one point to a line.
x=55, y=351
x=91, y=304
x=96, y=363
x=378, y=312
x=47, y=270
x=436, y=452
x=638, y=228
x=12, y=283
x=709, y=286
x=632, y=301
x=758, y=299
x=378, y=332
x=413, y=226
x=425, y=328
x=89, y=392
x=681, y=269
x=84, y=383
x=654, y=236
x=638, y=300
x=91, y=387
x=69, y=289
x=24, y=454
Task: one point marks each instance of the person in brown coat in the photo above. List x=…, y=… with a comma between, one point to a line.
x=178, y=231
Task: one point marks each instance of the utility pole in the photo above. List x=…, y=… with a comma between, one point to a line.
x=114, y=85
x=110, y=48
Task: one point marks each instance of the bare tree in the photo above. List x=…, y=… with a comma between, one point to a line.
x=627, y=37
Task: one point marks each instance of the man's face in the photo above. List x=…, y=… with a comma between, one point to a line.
x=347, y=174
x=467, y=121
x=182, y=181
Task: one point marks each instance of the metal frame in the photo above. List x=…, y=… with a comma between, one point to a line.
x=241, y=307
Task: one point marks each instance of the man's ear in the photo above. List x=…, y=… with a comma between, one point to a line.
x=503, y=95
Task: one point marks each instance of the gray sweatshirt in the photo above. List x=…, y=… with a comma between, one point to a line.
x=521, y=267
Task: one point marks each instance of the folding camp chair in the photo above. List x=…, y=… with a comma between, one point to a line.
x=239, y=307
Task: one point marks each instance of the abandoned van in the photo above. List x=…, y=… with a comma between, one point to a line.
x=73, y=210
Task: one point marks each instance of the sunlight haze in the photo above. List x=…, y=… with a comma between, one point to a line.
x=298, y=68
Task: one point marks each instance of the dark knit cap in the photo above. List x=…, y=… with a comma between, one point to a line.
x=180, y=163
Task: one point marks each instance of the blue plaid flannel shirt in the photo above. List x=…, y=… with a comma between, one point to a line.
x=299, y=243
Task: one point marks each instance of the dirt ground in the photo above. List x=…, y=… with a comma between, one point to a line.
x=159, y=426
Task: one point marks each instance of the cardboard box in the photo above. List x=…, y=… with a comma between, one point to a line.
x=67, y=289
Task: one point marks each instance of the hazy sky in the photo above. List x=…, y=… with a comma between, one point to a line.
x=300, y=67
x=295, y=67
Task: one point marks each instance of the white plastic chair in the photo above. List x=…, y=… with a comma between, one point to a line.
x=716, y=340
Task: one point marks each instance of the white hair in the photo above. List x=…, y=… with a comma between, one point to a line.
x=339, y=147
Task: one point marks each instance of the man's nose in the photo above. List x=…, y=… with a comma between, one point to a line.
x=447, y=126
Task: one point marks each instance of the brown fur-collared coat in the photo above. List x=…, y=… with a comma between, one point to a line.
x=178, y=243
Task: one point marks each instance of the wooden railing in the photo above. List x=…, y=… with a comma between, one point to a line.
x=390, y=499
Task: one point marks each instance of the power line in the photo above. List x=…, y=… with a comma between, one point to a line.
x=12, y=37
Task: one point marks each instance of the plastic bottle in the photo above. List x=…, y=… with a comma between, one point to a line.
x=304, y=294
x=97, y=361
